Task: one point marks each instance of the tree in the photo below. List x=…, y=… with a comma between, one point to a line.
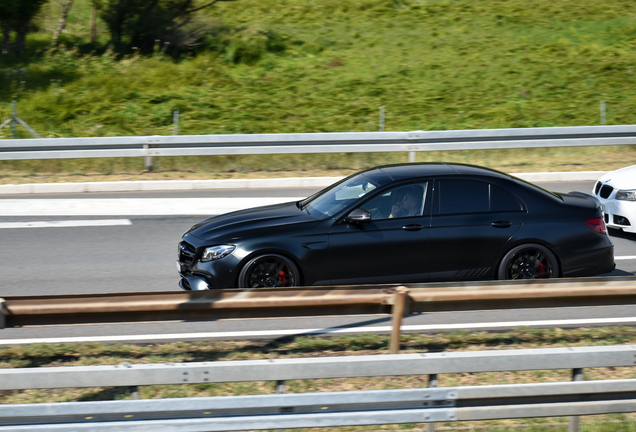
x=15, y=16
x=139, y=23
x=8, y=10
x=66, y=8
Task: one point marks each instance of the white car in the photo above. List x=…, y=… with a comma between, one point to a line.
x=617, y=192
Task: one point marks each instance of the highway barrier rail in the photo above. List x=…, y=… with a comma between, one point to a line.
x=422, y=405
x=313, y=301
x=339, y=142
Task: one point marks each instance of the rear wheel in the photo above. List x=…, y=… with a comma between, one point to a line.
x=531, y=261
x=269, y=271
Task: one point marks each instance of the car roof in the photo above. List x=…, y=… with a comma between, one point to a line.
x=408, y=170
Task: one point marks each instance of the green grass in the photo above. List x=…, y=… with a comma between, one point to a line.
x=283, y=66
x=84, y=354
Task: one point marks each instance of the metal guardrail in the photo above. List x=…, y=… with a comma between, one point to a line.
x=343, y=142
x=313, y=301
x=317, y=368
x=324, y=409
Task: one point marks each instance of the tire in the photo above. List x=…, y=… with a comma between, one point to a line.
x=529, y=261
x=269, y=271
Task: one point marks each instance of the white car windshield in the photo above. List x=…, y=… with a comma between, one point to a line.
x=339, y=196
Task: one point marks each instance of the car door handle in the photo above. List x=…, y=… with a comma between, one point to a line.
x=501, y=224
x=412, y=227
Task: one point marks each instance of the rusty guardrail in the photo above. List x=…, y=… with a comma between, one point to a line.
x=458, y=296
x=195, y=305
x=312, y=301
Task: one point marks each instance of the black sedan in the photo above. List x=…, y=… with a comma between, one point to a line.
x=402, y=223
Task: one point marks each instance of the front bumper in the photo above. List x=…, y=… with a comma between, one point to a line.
x=193, y=283
x=620, y=214
x=198, y=276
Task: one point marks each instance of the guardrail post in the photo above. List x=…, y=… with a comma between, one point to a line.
x=577, y=375
x=603, y=112
x=432, y=383
x=14, y=119
x=381, y=119
x=148, y=158
x=280, y=389
x=134, y=392
x=3, y=314
x=399, y=310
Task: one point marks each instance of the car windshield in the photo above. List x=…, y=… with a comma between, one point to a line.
x=335, y=198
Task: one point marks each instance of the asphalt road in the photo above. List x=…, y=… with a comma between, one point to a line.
x=112, y=252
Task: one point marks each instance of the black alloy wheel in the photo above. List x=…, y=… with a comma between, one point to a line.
x=531, y=261
x=269, y=271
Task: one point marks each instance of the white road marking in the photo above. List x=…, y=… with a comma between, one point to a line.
x=66, y=223
x=132, y=206
x=626, y=257
x=372, y=329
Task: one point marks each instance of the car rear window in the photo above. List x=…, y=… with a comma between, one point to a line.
x=539, y=189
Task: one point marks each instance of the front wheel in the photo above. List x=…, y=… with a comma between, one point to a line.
x=531, y=261
x=269, y=271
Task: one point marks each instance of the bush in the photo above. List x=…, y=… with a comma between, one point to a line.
x=249, y=45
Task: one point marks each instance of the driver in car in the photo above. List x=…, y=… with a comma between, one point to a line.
x=410, y=205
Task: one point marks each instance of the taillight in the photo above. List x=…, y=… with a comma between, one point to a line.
x=597, y=224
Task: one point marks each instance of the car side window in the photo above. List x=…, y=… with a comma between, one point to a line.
x=502, y=201
x=398, y=202
x=468, y=196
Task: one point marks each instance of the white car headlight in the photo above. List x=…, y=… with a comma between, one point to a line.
x=626, y=195
x=217, y=252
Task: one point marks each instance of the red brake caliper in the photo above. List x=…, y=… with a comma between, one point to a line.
x=541, y=270
x=282, y=278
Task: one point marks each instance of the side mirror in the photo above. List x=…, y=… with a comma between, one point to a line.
x=358, y=215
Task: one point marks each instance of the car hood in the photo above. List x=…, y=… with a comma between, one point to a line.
x=624, y=178
x=234, y=225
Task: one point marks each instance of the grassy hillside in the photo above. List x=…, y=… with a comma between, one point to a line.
x=270, y=66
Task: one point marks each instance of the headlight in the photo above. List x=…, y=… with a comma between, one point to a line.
x=217, y=252
x=626, y=195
